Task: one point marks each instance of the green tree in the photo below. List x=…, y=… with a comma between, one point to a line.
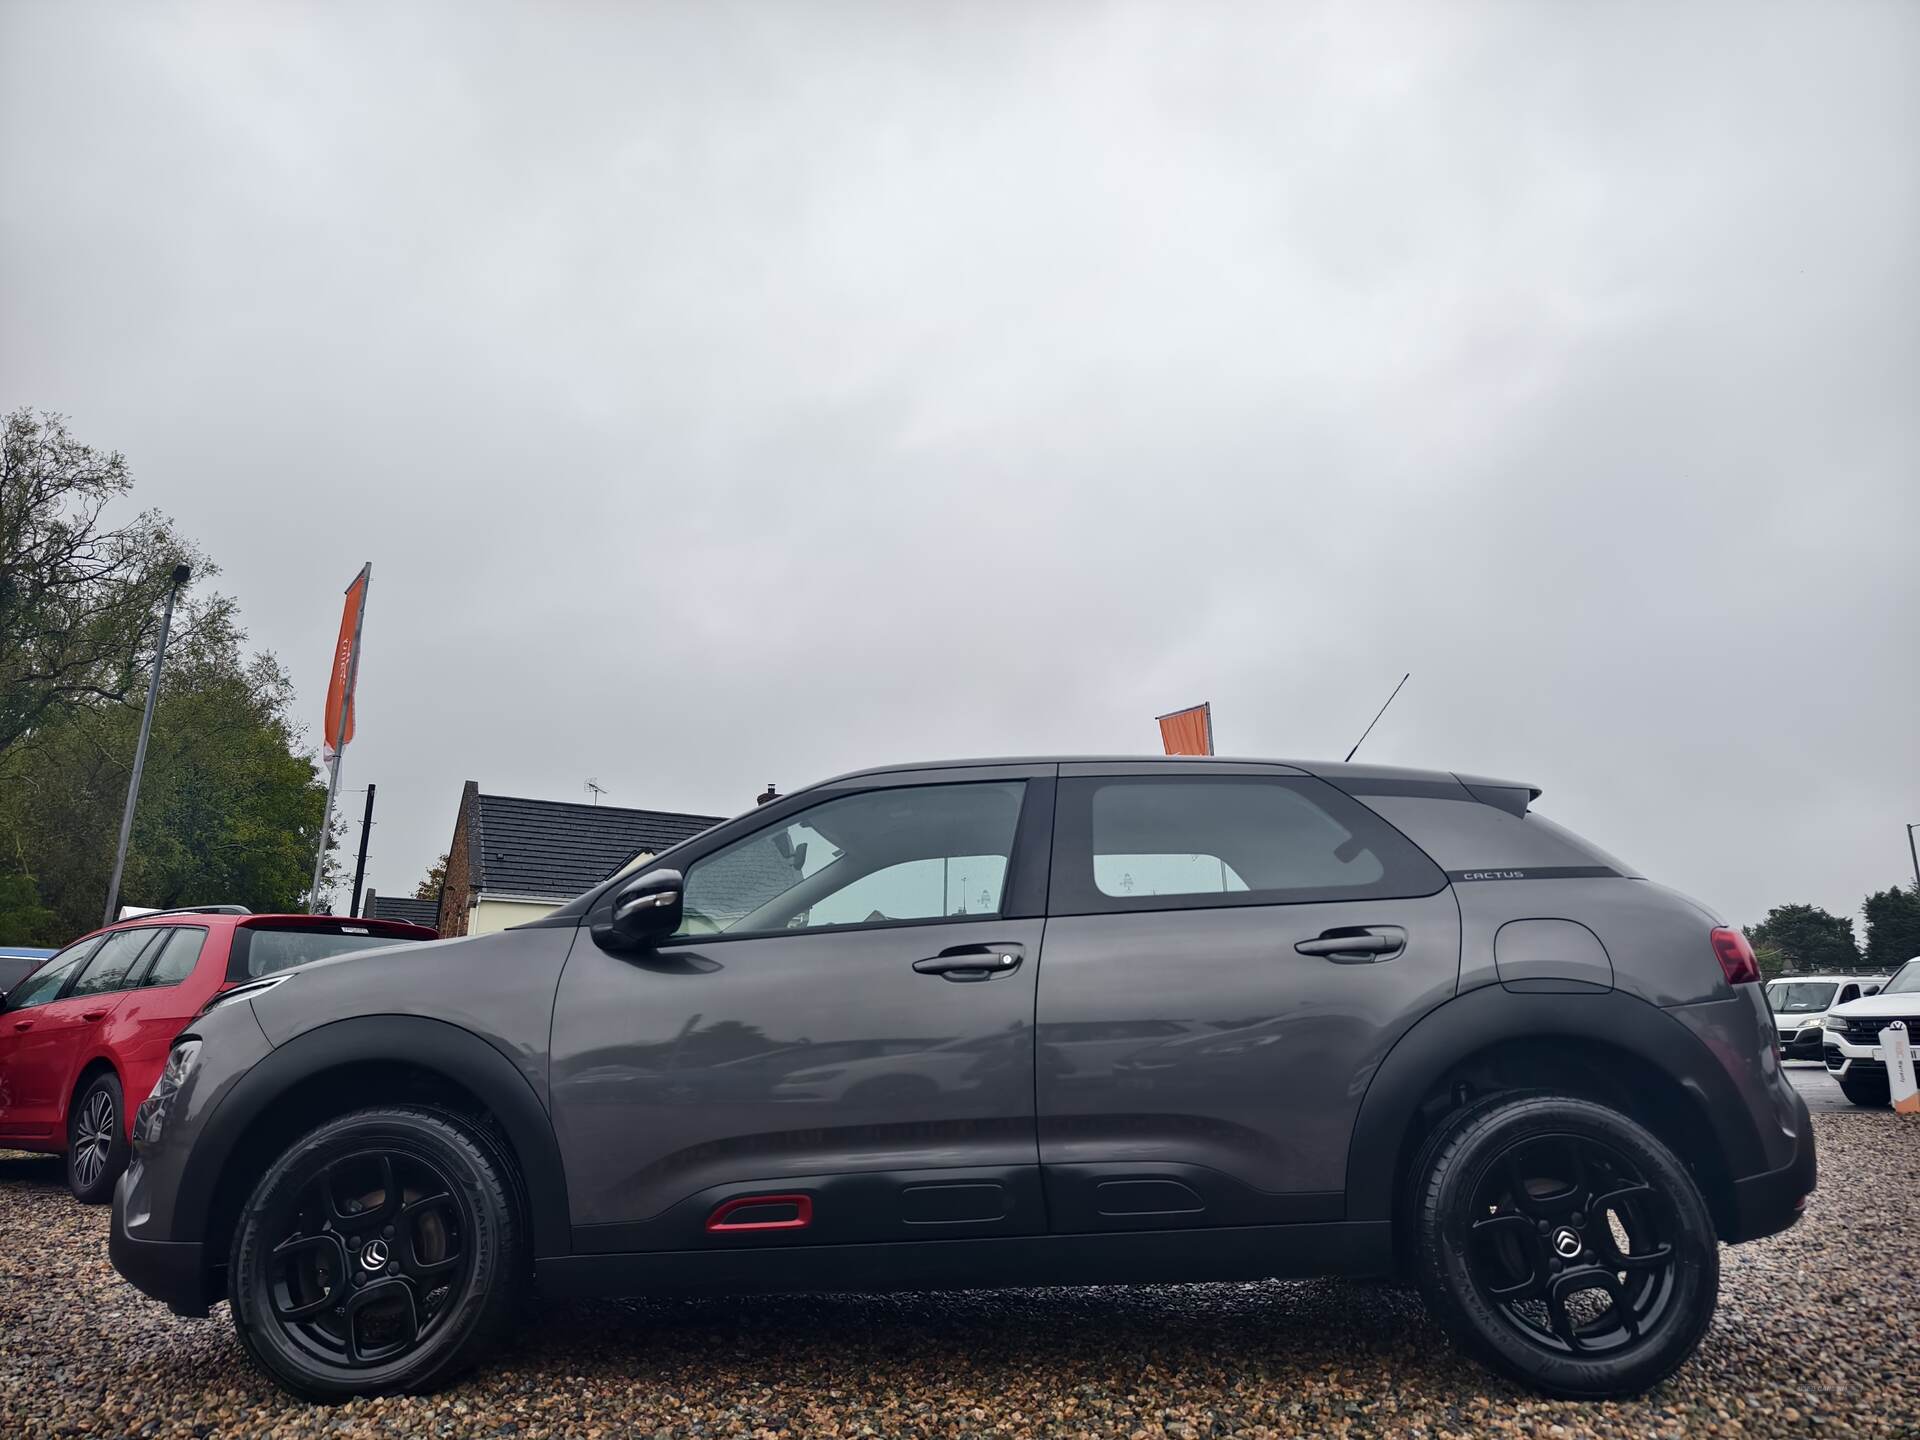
x=229, y=808
x=80, y=600
x=435, y=881
x=1799, y=938
x=1893, y=927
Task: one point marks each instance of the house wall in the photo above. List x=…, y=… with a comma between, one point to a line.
x=457, y=893
x=491, y=915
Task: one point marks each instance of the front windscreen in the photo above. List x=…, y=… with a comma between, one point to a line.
x=258, y=951
x=1906, y=980
x=1803, y=997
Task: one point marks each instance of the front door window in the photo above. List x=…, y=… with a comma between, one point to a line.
x=881, y=857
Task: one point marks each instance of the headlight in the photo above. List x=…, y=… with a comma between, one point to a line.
x=152, y=1114
x=249, y=990
x=1834, y=1022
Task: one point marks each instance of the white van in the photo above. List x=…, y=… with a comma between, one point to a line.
x=1801, y=1002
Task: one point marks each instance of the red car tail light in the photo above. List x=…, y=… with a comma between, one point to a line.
x=1736, y=957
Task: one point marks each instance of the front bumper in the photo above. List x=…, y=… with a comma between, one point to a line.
x=1770, y=1202
x=1853, y=1059
x=1802, y=1043
x=167, y=1270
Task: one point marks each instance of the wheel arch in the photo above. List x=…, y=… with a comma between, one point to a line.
x=1610, y=1047
x=352, y=1063
x=98, y=1064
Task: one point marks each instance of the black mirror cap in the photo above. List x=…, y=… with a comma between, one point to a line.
x=641, y=913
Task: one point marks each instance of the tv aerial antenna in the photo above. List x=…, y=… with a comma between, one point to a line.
x=596, y=789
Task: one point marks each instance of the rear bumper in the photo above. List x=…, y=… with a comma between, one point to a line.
x=168, y=1270
x=1767, y=1203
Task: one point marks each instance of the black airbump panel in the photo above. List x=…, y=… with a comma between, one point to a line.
x=1146, y=1197
x=967, y=1202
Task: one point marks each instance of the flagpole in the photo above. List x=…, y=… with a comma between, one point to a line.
x=340, y=729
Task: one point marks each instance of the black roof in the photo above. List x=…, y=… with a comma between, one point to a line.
x=1338, y=771
x=404, y=907
x=555, y=849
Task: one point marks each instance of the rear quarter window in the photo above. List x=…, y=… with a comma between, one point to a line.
x=1467, y=835
x=263, y=950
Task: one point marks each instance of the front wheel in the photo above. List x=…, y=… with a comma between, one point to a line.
x=379, y=1255
x=1564, y=1245
x=97, y=1145
x=1868, y=1094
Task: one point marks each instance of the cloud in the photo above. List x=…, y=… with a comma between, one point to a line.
x=727, y=394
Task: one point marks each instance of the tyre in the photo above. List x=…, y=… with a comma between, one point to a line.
x=381, y=1254
x=1563, y=1245
x=1868, y=1094
x=97, y=1146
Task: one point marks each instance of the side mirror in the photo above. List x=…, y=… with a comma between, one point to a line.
x=1871, y=990
x=644, y=911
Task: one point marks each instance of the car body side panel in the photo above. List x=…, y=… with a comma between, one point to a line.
x=1689, y=1048
x=142, y=1027
x=769, y=1058
x=46, y=1049
x=1269, y=1051
x=1651, y=942
x=499, y=987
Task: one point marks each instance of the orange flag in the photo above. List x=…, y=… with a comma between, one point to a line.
x=1188, y=732
x=346, y=664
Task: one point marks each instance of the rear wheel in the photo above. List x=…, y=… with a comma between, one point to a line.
x=97, y=1145
x=1564, y=1245
x=1869, y=1094
x=379, y=1255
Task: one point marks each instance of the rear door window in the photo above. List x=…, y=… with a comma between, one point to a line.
x=1179, y=842
x=176, y=958
x=111, y=964
x=263, y=950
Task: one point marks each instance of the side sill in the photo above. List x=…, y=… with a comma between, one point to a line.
x=1241, y=1252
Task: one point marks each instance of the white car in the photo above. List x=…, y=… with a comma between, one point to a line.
x=1801, y=1002
x=1852, y=1034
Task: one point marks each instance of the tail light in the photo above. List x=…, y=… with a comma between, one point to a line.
x=1736, y=957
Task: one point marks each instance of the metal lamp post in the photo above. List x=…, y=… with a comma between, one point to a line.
x=181, y=573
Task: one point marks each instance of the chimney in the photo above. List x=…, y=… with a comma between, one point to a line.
x=770, y=794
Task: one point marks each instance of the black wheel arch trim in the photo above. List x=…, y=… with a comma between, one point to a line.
x=1491, y=1015
x=437, y=1045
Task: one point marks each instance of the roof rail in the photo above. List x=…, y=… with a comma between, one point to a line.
x=194, y=910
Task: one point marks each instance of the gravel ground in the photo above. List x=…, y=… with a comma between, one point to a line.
x=1800, y=1347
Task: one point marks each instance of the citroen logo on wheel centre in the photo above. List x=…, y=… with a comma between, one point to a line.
x=374, y=1256
x=1566, y=1243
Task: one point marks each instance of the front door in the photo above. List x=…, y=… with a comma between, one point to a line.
x=1229, y=957
x=51, y=1041
x=837, y=1046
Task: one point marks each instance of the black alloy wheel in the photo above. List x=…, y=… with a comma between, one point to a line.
x=1568, y=1244
x=374, y=1254
x=379, y=1255
x=1563, y=1244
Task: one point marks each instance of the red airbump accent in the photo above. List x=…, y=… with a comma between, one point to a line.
x=802, y=1213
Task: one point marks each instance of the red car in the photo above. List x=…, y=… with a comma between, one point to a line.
x=84, y=1038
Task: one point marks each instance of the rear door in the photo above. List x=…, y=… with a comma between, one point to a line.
x=1230, y=953
x=164, y=993
x=838, y=1046
x=55, y=1039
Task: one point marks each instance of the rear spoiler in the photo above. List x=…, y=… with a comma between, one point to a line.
x=340, y=924
x=1512, y=796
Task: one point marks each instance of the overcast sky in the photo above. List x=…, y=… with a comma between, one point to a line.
x=734, y=394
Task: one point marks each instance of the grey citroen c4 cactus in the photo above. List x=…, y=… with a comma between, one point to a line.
x=1004, y=1022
